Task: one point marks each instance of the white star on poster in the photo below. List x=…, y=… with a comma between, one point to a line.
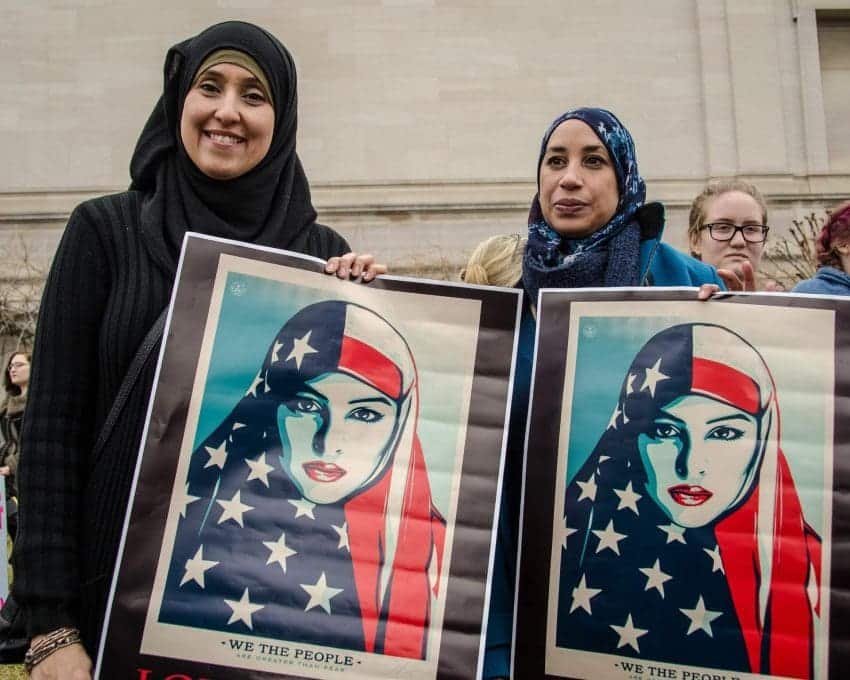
x=301, y=347
x=612, y=424
x=655, y=578
x=218, y=455
x=266, y=387
x=700, y=618
x=255, y=383
x=628, y=498
x=716, y=560
x=674, y=533
x=303, y=507
x=279, y=551
x=236, y=426
x=653, y=377
x=629, y=634
x=196, y=567
x=566, y=532
x=259, y=469
x=582, y=595
x=276, y=348
x=342, y=532
x=185, y=500
x=608, y=538
x=320, y=594
x=243, y=610
x=233, y=509
x=630, y=383
x=588, y=488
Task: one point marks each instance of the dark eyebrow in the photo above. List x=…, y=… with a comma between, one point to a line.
x=383, y=400
x=591, y=148
x=663, y=413
x=312, y=392
x=733, y=416
x=250, y=80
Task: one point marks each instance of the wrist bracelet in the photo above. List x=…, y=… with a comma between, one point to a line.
x=56, y=639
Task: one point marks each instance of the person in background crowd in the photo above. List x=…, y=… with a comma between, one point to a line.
x=728, y=229
x=833, y=253
x=16, y=380
x=216, y=156
x=589, y=226
x=496, y=261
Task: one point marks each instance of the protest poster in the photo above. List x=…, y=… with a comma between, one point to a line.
x=671, y=528
x=317, y=484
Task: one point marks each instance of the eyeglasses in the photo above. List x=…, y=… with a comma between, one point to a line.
x=725, y=231
x=19, y=364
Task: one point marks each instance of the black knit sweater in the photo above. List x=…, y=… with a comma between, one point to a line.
x=102, y=296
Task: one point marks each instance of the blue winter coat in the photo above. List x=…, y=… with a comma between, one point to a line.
x=826, y=281
x=660, y=265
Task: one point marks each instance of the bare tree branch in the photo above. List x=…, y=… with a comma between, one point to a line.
x=21, y=283
x=793, y=258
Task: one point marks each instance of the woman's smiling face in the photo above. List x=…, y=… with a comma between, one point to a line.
x=334, y=436
x=227, y=122
x=698, y=455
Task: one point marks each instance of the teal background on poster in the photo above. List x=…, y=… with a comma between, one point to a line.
x=254, y=309
x=605, y=349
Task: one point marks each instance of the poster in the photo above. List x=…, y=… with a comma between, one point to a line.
x=681, y=488
x=316, y=490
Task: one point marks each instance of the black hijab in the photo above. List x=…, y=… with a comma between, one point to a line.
x=268, y=205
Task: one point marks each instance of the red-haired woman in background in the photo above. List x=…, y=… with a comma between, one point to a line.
x=833, y=251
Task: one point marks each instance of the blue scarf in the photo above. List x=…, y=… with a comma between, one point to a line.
x=611, y=255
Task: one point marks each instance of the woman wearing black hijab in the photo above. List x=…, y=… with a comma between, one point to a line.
x=217, y=156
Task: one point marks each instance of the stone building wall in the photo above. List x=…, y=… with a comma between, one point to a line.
x=419, y=120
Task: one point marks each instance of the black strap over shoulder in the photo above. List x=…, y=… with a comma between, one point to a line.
x=143, y=353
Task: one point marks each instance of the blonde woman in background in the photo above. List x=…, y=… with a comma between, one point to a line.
x=496, y=261
x=728, y=229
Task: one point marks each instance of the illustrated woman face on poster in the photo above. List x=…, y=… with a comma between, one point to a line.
x=699, y=455
x=699, y=429
x=335, y=433
x=692, y=528
x=312, y=495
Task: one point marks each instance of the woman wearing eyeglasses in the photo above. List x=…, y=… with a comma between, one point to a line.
x=728, y=229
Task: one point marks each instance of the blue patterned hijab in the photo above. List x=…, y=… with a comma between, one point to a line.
x=611, y=255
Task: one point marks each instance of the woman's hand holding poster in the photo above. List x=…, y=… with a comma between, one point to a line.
x=317, y=482
x=678, y=509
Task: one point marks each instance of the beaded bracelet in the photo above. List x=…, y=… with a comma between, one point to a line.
x=56, y=639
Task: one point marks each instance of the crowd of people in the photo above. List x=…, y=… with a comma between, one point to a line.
x=218, y=156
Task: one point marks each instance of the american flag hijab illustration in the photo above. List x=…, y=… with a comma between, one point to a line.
x=738, y=591
x=253, y=554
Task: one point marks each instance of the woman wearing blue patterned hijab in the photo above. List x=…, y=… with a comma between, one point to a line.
x=589, y=226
